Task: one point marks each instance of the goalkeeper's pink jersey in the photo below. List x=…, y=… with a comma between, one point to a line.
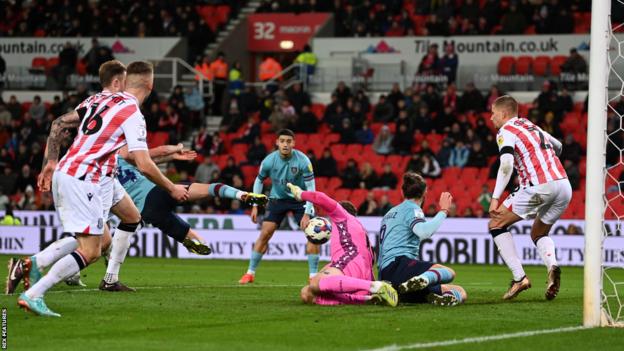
x=350, y=249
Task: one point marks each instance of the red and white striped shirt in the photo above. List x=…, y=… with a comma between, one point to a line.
x=534, y=156
x=109, y=121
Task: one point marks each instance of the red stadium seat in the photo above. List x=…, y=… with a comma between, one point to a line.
x=342, y=194
x=506, y=65
x=39, y=63
x=540, y=65
x=555, y=64
x=334, y=183
x=523, y=65
x=318, y=110
x=222, y=13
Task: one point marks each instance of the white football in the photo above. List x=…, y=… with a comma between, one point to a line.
x=318, y=230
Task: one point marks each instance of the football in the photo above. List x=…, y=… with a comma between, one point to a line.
x=318, y=230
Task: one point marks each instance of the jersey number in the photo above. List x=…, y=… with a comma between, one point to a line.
x=126, y=176
x=530, y=128
x=382, y=233
x=93, y=122
x=543, y=143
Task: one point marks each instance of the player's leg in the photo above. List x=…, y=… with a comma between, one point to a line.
x=260, y=247
x=130, y=223
x=200, y=191
x=89, y=249
x=436, y=274
x=498, y=227
x=561, y=193
x=332, y=281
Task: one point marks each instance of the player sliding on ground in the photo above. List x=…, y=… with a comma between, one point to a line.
x=544, y=192
x=348, y=279
x=402, y=230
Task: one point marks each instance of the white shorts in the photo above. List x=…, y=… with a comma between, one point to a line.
x=548, y=201
x=78, y=204
x=111, y=192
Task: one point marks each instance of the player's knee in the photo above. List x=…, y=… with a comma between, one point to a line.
x=306, y=295
x=494, y=232
x=91, y=254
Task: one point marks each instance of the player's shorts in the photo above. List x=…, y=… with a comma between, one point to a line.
x=159, y=211
x=278, y=208
x=404, y=268
x=548, y=200
x=111, y=192
x=79, y=204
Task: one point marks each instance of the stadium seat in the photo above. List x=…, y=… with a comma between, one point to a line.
x=39, y=63
x=540, y=65
x=318, y=110
x=334, y=183
x=506, y=65
x=249, y=175
x=222, y=13
x=156, y=139
x=555, y=65
x=342, y=194
x=358, y=196
x=523, y=65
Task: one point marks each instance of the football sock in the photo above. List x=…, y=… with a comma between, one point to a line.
x=546, y=249
x=313, y=261
x=55, y=251
x=507, y=250
x=119, y=250
x=61, y=270
x=344, y=284
x=438, y=275
x=256, y=257
x=224, y=191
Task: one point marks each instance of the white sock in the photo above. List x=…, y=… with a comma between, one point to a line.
x=375, y=286
x=55, y=251
x=61, y=270
x=546, y=248
x=120, y=245
x=239, y=194
x=507, y=250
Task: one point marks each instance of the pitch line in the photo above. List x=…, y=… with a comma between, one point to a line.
x=478, y=339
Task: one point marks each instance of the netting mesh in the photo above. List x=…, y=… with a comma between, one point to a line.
x=613, y=270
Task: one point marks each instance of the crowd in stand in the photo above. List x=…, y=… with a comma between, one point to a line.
x=440, y=17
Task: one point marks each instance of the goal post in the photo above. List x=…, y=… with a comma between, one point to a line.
x=595, y=172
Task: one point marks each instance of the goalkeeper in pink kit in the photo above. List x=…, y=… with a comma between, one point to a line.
x=348, y=279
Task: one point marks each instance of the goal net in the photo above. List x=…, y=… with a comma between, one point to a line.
x=604, y=269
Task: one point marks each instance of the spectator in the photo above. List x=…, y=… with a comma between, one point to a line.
x=494, y=94
x=25, y=179
x=550, y=126
x=383, y=141
x=203, y=173
x=169, y=122
x=432, y=99
x=347, y=134
x=251, y=130
x=383, y=111
x=449, y=62
x=176, y=95
x=362, y=100
x=513, y=21
x=298, y=97
x=27, y=199
x=442, y=123
x=574, y=175
x=306, y=122
x=432, y=210
x=216, y=146
x=14, y=107
x=308, y=60
x=37, y=110
x=485, y=198
x=350, y=176
x=230, y=170
x=575, y=63
x=8, y=181
x=236, y=84
x=5, y=116
x=327, y=166
x=235, y=208
x=571, y=150
x=452, y=210
x=9, y=218
x=395, y=96
x=459, y=155
x=414, y=164
x=471, y=100
x=387, y=180
x=343, y=93
x=402, y=141
x=430, y=63
x=477, y=157
x=365, y=135
x=564, y=22
x=430, y=168
x=384, y=205
x=257, y=152
x=369, y=206
x=368, y=177
x=469, y=213
x=219, y=70
x=423, y=121
x=444, y=154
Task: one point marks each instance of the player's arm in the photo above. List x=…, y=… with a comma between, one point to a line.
x=506, y=142
x=162, y=154
x=425, y=229
x=52, y=151
x=320, y=199
x=556, y=144
x=135, y=132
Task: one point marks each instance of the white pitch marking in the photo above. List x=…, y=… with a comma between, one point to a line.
x=184, y=287
x=479, y=339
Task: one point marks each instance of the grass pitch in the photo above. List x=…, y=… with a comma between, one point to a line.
x=198, y=305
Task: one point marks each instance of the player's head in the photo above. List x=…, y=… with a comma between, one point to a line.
x=113, y=76
x=414, y=186
x=285, y=142
x=140, y=77
x=349, y=207
x=504, y=108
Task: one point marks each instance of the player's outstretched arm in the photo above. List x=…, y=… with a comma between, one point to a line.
x=318, y=198
x=146, y=166
x=52, y=151
x=425, y=229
